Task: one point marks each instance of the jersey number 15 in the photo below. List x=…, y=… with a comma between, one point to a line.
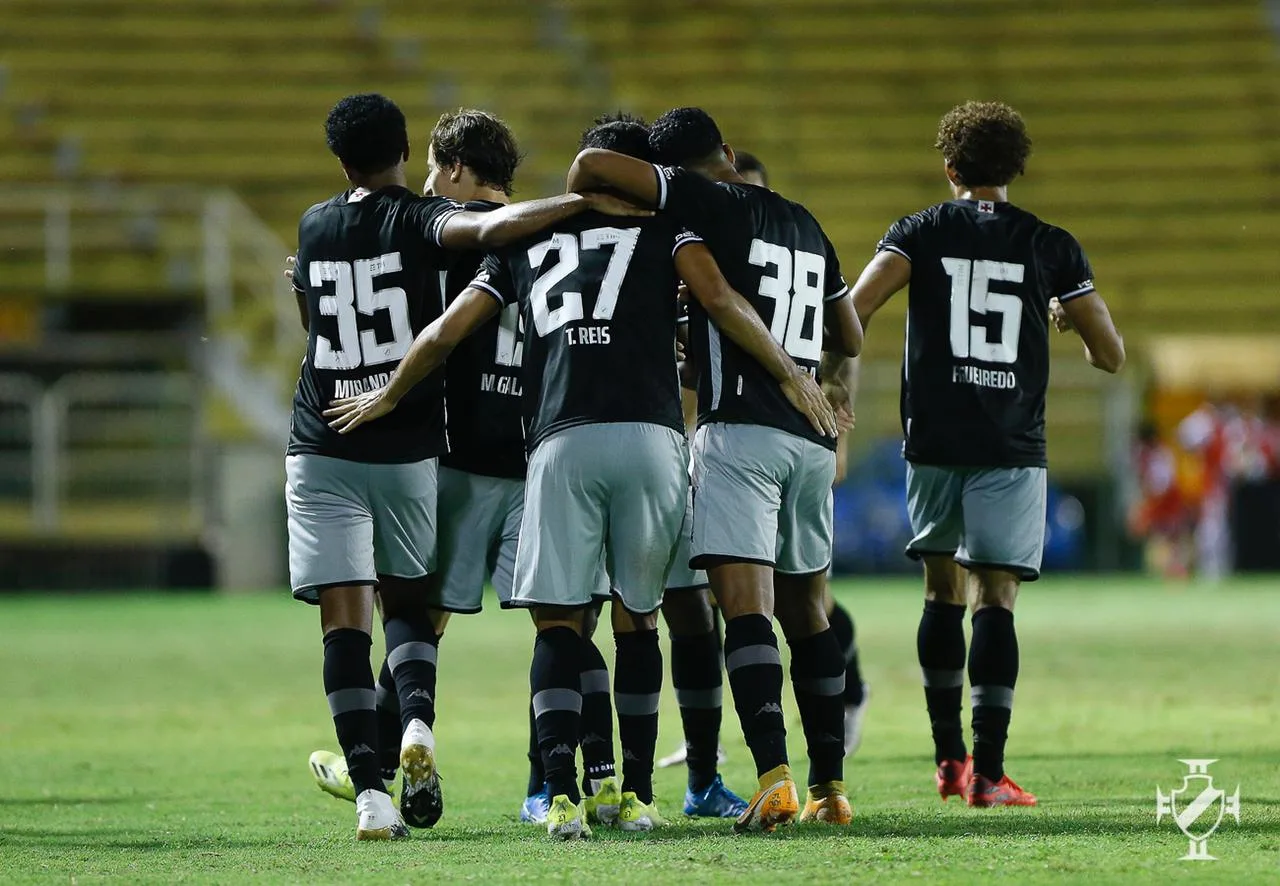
x=970, y=293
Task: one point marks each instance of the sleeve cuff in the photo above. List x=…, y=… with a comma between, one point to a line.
x=1075, y=293
x=840, y=293
x=486, y=288
x=683, y=241
x=662, y=186
x=437, y=227
x=889, y=247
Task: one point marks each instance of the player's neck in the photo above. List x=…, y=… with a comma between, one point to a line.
x=488, y=195
x=995, y=195
x=393, y=177
x=720, y=171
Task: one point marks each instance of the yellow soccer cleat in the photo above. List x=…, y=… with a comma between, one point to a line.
x=633, y=815
x=567, y=820
x=774, y=804
x=602, y=806
x=827, y=803
x=331, y=775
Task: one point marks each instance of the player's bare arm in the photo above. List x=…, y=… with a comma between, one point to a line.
x=490, y=230
x=594, y=169
x=883, y=276
x=303, y=314
x=467, y=313
x=841, y=327
x=734, y=316
x=1089, y=317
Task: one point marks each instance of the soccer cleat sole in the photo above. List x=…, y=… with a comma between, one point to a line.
x=769, y=809
x=394, y=832
x=421, y=805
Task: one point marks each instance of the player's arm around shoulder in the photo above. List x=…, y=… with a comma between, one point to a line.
x=471, y=230
x=596, y=168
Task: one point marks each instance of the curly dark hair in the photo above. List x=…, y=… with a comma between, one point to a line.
x=986, y=143
x=367, y=133
x=621, y=132
x=684, y=136
x=479, y=141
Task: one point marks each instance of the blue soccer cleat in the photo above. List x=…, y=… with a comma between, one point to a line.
x=535, y=807
x=714, y=801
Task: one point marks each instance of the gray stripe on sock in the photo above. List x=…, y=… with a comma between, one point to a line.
x=557, y=700
x=820, y=685
x=703, y=699
x=343, y=701
x=941, y=678
x=752, y=655
x=595, y=681
x=629, y=704
x=414, y=651
x=386, y=698
x=992, y=697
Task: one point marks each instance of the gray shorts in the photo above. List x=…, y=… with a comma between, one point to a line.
x=761, y=495
x=991, y=517
x=350, y=522
x=479, y=532
x=682, y=576
x=615, y=491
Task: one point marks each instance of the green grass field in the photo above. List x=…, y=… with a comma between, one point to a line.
x=164, y=739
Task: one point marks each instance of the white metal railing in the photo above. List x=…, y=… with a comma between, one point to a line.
x=157, y=456
x=250, y=313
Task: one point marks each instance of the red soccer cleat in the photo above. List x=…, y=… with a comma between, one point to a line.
x=984, y=792
x=953, y=777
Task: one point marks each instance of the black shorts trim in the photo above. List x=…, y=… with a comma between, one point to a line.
x=823, y=571
x=700, y=561
x=918, y=554
x=454, y=610
x=303, y=594
x=1023, y=573
x=681, y=589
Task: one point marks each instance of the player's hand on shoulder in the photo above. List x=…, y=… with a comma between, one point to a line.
x=1058, y=314
x=806, y=395
x=349, y=413
x=290, y=263
x=611, y=204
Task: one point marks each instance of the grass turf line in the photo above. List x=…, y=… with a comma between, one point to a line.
x=164, y=739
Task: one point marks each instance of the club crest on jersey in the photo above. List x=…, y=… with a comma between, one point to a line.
x=986, y=206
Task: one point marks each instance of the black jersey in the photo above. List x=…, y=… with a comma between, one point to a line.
x=597, y=299
x=371, y=268
x=773, y=252
x=976, y=366
x=482, y=383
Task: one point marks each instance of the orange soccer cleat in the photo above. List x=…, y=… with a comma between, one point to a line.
x=984, y=792
x=953, y=777
x=775, y=803
x=827, y=803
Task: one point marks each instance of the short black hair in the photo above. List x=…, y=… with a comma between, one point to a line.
x=985, y=142
x=745, y=162
x=367, y=133
x=479, y=141
x=621, y=132
x=684, y=136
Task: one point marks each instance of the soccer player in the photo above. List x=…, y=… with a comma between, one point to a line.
x=607, y=467
x=856, y=693
x=762, y=475
x=362, y=508
x=984, y=278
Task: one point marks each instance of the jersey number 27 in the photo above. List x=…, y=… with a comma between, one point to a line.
x=547, y=319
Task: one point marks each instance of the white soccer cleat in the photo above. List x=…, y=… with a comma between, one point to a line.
x=377, y=818
x=421, y=800
x=680, y=756
x=853, y=716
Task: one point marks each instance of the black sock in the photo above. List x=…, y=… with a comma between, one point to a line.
x=699, y=683
x=940, y=648
x=847, y=639
x=555, y=679
x=412, y=646
x=755, y=675
x=817, y=674
x=537, y=775
x=597, y=716
x=993, y=672
x=637, y=686
x=389, y=729
x=348, y=682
